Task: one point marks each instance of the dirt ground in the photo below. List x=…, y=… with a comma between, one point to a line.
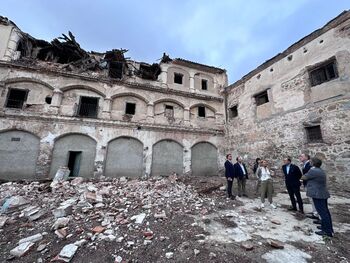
x=200, y=225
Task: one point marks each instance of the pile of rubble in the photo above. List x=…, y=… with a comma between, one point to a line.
x=88, y=212
x=155, y=220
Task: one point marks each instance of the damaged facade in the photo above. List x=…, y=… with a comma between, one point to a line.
x=102, y=113
x=105, y=114
x=297, y=102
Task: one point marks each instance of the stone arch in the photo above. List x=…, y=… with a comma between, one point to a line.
x=19, y=151
x=32, y=80
x=73, y=133
x=168, y=111
x=198, y=76
x=205, y=105
x=119, y=104
x=167, y=157
x=84, y=87
x=38, y=91
x=131, y=94
x=124, y=157
x=169, y=100
x=75, y=150
x=170, y=75
x=204, y=159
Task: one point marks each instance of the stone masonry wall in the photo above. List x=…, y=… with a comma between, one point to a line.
x=276, y=129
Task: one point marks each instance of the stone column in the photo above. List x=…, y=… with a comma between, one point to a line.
x=192, y=82
x=187, y=116
x=106, y=108
x=43, y=163
x=56, y=101
x=163, y=76
x=187, y=161
x=100, y=158
x=150, y=112
x=147, y=159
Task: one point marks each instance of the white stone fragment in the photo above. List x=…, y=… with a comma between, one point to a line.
x=138, y=218
x=32, y=239
x=67, y=252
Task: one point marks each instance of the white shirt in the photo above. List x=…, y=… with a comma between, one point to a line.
x=265, y=174
x=242, y=167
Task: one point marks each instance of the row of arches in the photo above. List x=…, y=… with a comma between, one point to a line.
x=100, y=91
x=125, y=156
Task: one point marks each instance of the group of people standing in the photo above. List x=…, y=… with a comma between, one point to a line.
x=310, y=174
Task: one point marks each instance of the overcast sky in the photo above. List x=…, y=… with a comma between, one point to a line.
x=237, y=35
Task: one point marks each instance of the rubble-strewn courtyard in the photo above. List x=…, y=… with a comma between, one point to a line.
x=163, y=219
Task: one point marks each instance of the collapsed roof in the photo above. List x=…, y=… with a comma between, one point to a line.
x=65, y=53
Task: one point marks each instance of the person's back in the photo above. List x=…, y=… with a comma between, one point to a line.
x=317, y=183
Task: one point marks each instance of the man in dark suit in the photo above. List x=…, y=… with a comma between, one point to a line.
x=292, y=175
x=240, y=172
x=229, y=175
x=305, y=159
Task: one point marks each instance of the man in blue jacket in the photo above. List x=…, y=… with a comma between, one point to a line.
x=240, y=172
x=292, y=175
x=229, y=175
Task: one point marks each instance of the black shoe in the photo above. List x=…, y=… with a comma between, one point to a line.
x=322, y=233
x=318, y=222
x=312, y=216
x=239, y=195
x=233, y=197
x=245, y=195
x=291, y=209
x=319, y=227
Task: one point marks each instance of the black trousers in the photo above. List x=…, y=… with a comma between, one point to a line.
x=294, y=192
x=321, y=206
x=229, y=188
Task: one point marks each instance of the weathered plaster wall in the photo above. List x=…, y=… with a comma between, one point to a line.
x=50, y=129
x=50, y=122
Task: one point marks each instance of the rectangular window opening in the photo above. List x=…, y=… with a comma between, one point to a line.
x=16, y=98
x=204, y=84
x=130, y=108
x=178, y=78
x=74, y=159
x=323, y=73
x=314, y=134
x=88, y=107
x=262, y=98
x=201, y=111
x=233, y=113
x=116, y=69
x=169, y=111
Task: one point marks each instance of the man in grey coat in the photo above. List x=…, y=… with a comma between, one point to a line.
x=317, y=189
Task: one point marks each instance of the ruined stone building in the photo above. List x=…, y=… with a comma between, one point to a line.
x=105, y=114
x=298, y=101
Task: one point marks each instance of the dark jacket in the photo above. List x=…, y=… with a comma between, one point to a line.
x=294, y=175
x=237, y=171
x=306, y=168
x=228, y=169
x=317, y=184
x=255, y=167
